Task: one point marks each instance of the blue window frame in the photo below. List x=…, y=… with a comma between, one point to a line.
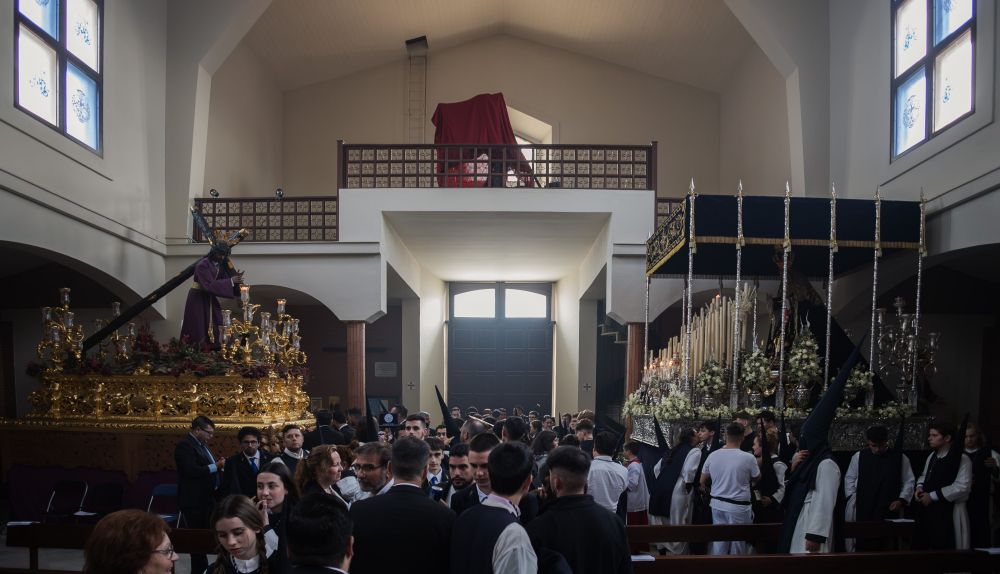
x=933, y=68
x=58, y=66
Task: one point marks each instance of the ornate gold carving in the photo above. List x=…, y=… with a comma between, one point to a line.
x=156, y=401
x=668, y=239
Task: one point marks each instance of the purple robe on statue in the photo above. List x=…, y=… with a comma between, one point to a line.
x=202, y=308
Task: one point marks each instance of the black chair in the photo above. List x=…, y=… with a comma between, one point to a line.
x=101, y=500
x=163, y=503
x=65, y=501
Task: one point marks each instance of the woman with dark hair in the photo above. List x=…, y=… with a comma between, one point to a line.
x=277, y=494
x=129, y=541
x=320, y=471
x=247, y=543
x=544, y=442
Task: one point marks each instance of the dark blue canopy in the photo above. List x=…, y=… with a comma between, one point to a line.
x=764, y=230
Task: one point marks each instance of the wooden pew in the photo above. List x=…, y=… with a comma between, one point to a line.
x=755, y=532
x=74, y=537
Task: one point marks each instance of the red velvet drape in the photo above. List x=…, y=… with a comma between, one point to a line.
x=482, y=119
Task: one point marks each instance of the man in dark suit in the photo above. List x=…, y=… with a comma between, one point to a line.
x=199, y=475
x=324, y=433
x=319, y=536
x=479, y=454
x=378, y=548
x=340, y=424
x=242, y=468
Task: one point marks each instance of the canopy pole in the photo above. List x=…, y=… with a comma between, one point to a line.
x=734, y=387
x=829, y=282
x=688, y=387
x=870, y=397
x=921, y=253
x=779, y=399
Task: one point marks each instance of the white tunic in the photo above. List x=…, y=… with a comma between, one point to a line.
x=681, y=499
x=956, y=493
x=817, y=512
x=851, y=491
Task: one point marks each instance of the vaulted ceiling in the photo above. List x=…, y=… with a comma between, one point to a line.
x=696, y=42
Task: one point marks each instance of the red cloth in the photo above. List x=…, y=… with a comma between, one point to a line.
x=482, y=119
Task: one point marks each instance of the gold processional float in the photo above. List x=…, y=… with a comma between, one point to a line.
x=716, y=366
x=133, y=382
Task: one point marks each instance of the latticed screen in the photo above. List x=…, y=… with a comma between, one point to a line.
x=293, y=219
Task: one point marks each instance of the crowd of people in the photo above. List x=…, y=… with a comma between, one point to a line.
x=489, y=492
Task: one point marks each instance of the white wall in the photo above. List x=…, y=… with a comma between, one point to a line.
x=753, y=117
x=124, y=188
x=957, y=164
x=586, y=100
x=567, y=393
x=245, y=134
x=795, y=37
x=366, y=107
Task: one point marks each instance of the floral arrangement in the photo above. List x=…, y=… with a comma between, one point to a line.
x=803, y=361
x=712, y=412
x=755, y=372
x=711, y=379
x=176, y=358
x=858, y=382
x=674, y=406
x=889, y=411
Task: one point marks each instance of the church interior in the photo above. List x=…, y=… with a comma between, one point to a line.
x=564, y=265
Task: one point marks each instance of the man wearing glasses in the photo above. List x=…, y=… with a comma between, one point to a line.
x=242, y=468
x=371, y=462
x=199, y=476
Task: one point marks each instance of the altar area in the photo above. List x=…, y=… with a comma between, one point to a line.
x=731, y=356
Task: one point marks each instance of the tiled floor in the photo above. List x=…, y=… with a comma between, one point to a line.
x=69, y=560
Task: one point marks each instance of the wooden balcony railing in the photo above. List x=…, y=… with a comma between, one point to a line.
x=271, y=219
x=435, y=165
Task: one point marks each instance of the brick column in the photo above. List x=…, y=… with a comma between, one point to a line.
x=355, y=364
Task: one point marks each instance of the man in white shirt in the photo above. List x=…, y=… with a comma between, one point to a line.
x=487, y=538
x=607, y=479
x=731, y=471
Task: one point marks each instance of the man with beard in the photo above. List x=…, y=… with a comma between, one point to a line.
x=371, y=462
x=877, y=486
x=459, y=471
x=942, y=490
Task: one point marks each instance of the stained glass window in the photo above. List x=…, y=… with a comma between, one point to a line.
x=58, y=72
x=933, y=80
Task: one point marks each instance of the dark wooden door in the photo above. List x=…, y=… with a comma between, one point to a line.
x=504, y=359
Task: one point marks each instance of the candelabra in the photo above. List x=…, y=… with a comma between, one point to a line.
x=902, y=347
x=61, y=336
x=272, y=342
x=121, y=343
